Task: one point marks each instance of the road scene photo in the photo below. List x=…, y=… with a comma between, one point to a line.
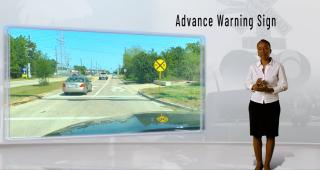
x=76, y=83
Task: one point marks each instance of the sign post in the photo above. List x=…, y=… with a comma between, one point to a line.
x=29, y=71
x=24, y=73
x=160, y=66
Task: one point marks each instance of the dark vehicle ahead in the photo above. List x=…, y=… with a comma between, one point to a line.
x=137, y=123
x=77, y=84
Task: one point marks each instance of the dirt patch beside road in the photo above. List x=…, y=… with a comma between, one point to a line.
x=137, y=87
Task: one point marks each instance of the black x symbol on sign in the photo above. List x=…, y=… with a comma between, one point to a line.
x=160, y=65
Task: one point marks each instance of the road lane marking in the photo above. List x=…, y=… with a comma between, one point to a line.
x=117, y=89
x=102, y=88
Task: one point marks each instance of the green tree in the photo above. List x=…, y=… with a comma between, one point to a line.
x=191, y=62
x=44, y=68
x=191, y=67
x=182, y=63
x=18, y=55
x=194, y=47
x=143, y=67
x=174, y=58
x=128, y=56
x=81, y=69
x=24, y=51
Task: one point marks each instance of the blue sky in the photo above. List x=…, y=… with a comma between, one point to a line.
x=97, y=49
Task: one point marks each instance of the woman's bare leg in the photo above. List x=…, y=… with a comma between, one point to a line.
x=257, y=146
x=269, y=151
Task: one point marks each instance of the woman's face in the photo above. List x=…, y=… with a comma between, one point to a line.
x=263, y=50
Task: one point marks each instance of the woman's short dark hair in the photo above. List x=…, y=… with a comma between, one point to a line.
x=264, y=41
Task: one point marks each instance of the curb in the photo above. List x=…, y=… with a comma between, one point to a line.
x=32, y=98
x=164, y=102
x=26, y=100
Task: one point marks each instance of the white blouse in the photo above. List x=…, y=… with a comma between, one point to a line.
x=275, y=77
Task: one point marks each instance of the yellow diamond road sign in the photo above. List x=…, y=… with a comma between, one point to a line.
x=160, y=65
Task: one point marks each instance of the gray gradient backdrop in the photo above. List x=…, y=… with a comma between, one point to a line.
x=228, y=54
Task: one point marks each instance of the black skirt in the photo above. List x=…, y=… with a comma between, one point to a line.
x=264, y=119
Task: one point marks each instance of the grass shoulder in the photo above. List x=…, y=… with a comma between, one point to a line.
x=26, y=93
x=187, y=95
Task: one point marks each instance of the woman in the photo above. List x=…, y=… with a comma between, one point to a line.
x=266, y=79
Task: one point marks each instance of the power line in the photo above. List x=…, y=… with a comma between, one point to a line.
x=60, y=40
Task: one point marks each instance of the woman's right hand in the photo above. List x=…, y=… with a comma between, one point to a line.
x=256, y=87
x=261, y=85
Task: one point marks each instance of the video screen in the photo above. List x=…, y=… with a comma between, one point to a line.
x=76, y=83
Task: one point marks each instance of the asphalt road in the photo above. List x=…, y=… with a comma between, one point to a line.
x=109, y=99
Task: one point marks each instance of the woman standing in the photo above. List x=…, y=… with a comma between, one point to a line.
x=265, y=79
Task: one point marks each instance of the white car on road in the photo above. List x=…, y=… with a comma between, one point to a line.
x=77, y=84
x=103, y=76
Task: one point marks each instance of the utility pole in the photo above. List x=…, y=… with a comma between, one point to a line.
x=61, y=45
x=57, y=63
x=67, y=59
x=91, y=66
x=29, y=59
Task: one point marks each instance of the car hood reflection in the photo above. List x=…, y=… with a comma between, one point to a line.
x=142, y=122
